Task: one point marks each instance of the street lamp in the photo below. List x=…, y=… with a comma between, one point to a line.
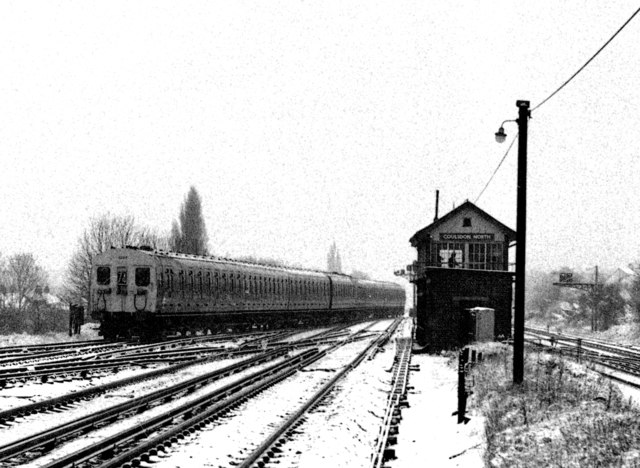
x=500, y=134
x=521, y=240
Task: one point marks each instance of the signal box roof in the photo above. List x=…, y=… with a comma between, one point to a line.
x=465, y=219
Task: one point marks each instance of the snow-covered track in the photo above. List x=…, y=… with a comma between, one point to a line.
x=62, y=402
x=272, y=446
x=161, y=353
x=48, y=347
x=59, y=355
x=153, y=425
x=20, y=451
x=174, y=425
x=176, y=343
x=613, y=349
x=599, y=354
x=397, y=398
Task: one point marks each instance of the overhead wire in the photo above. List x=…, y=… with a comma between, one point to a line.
x=588, y=61
x=558, y=90
x=496, y=170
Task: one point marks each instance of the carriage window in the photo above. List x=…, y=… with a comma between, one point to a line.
x=199, y=282
x=169, y=283
x=143, y=276
x=103, y=276
x=182, y=280
x=208, y=282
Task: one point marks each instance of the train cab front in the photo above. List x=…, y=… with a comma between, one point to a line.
x=122, y=293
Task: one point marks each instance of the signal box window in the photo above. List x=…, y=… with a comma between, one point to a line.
x=103, y=276
x=143, y=277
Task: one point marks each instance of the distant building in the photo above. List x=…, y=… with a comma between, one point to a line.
x=463, y=262
x=623, y=275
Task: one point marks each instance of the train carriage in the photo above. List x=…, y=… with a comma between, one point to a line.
x=139, y=291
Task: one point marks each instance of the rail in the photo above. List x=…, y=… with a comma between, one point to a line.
x=394, y=402
x=260, y=456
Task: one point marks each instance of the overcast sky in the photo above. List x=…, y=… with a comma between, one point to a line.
x=305, y=122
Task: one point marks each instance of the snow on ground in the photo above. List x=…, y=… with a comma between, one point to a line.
x=89, y=332
x=41, y=421
x=230, y=440
x=343, y=430
x=124, y=424
x=381, y=326
x=429, y=435
x=33, y=391
x=303, y=335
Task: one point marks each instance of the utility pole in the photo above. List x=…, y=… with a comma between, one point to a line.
x=521, y=243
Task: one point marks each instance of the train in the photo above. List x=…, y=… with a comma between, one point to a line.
x=151, y=294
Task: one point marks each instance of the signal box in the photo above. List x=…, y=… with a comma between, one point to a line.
x=463, y=263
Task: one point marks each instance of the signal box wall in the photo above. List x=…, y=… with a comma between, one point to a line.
x=445, y=294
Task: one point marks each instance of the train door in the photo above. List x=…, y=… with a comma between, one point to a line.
x=287, y=292
x=331, y=289
x=142, y=294
x=121, y=289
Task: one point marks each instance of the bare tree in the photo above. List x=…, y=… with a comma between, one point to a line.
x=23, y=276
x=104, y=232
x=190, y=236
x=153, y=238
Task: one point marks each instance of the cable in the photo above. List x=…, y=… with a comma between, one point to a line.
x=588, y=61
x=496, y=170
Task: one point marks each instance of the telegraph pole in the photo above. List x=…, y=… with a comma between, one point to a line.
x=521, y=243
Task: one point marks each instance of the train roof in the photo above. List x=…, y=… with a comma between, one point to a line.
x=230, y=261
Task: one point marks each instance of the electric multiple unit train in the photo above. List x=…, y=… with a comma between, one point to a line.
x=149, y=293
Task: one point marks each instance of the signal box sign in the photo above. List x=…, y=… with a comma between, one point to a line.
x=465, y=236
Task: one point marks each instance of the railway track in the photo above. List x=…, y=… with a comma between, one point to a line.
x=397, y=399
x=101, y=349
x=600, y=355
x=46, y=440
x=41, y=348
x=66, y=401
x=270, y=450
x=108, y=362
x=154, y=437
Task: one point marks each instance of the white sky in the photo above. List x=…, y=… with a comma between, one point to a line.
x=304, y=122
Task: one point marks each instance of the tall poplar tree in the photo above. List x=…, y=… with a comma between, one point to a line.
x=334, y=263
x=189, y=235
